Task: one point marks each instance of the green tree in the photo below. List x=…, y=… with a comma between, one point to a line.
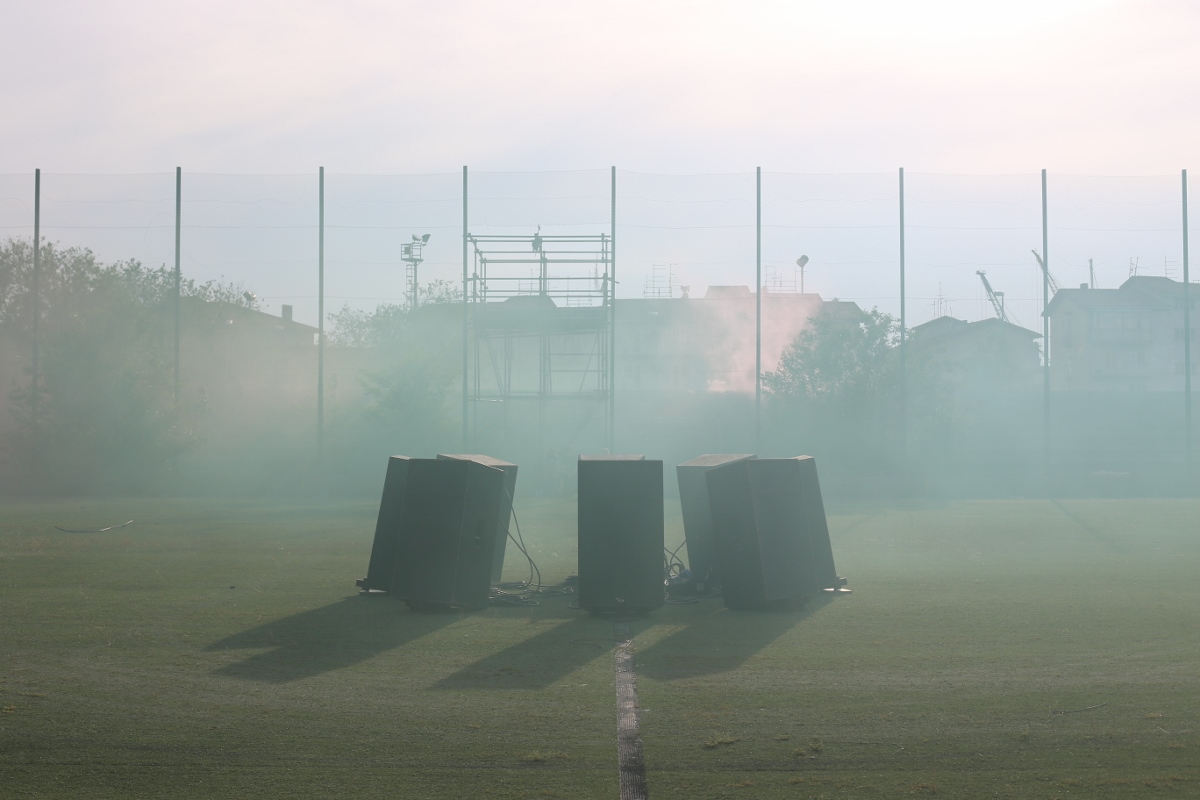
x=842, y=364
x=409, y=379
x=835, y=391
x=102, y=416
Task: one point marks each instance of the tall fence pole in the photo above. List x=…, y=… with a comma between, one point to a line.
x=1187, y=340
x=1045, y=333
x=758, y=290
x=465, y=300
x=37, y=295
x=903, y=336
x=178, y=272
x=321, y=316
x=612, y=322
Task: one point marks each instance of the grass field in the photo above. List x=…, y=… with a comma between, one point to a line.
x=1025, y=649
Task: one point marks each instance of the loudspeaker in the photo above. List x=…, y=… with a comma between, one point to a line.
x=506, y=503
x=437, y=527
x=620, y=533
x=769, y=525
x=822, y=575
x=387, y=527
x=697, y=514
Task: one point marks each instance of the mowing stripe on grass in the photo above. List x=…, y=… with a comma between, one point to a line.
x=630, y=761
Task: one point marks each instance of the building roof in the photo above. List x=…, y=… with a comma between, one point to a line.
x=1007, y=328
x=232, y=313
x=724, y=292
x=938, y=326
x=946, y=329
x=1139, y=291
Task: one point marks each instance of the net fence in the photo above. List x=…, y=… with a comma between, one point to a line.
x=718, y=280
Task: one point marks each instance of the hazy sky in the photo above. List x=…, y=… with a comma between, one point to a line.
x=1098, y=86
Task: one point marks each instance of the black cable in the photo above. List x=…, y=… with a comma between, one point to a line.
x=673, y=566
x=504, y=593
x=677, y=549
x=520, y=540
x=523, y=593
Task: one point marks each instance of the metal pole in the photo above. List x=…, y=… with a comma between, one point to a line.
x=1187, y=341
x=37, y=297
x=321, y=316
x=465, y=234
x=758, y=289
x=1045, y=332
x=612, y=324
x=903, y=335
x=178, y=273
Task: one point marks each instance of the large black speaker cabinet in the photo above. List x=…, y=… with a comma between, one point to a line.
x=697, y=514
x=620, y=533
x=506, y=503
x=437, y=530
x=387, y=527
x=772, y=540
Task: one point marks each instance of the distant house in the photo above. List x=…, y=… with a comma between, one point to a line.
x=1124, y=339
x=987, y=354
x=235, y=359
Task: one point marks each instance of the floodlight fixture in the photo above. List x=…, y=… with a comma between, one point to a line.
x=800, y=262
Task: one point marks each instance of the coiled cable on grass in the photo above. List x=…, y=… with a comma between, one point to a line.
x=523, y=593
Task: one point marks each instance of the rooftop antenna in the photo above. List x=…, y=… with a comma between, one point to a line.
x=1091, y=275
x=660, y=283
x=940, y=302
x=1133, y=267
x=800, y=262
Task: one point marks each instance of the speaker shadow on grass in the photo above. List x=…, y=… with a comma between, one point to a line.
x=543, y=659
x=718, y=639
x=714, y=640
x=324, y=639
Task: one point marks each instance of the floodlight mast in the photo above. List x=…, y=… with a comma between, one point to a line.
x=411, y=255
x=801, y=262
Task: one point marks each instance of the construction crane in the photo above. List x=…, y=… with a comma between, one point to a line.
x=997, y=298
x=1049, y=275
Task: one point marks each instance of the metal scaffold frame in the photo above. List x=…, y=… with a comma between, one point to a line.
x=556, y=291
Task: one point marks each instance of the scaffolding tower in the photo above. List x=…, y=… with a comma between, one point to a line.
x=540, y=318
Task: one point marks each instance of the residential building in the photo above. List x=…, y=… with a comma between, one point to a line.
x=1125, y=339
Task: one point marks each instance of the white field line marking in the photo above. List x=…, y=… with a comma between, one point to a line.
x=630, y=761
